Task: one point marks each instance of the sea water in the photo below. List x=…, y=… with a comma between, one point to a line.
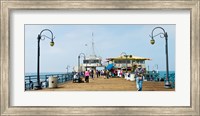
x=171, y=76
x=162, y=74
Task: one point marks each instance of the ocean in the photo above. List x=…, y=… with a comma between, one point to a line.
x=161, y=75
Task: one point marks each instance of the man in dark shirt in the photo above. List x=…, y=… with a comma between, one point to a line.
x=139, y=73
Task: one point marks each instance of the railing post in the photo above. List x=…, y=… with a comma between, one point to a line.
x=25, y=85
x=29, y=78
x=46, y=81
x=67, y=76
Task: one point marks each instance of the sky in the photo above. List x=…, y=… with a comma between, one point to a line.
x=110, y=40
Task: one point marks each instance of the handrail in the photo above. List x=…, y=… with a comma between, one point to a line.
x=31, y=79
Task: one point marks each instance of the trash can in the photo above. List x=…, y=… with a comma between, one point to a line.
x=132, y=78
x=53, y=81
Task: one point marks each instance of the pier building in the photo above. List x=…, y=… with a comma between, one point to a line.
x=127, y=63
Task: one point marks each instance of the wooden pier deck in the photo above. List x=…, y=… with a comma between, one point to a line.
x=111, y=84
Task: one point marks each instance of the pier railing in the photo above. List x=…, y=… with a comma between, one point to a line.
x=31, y=80
x=154, y=76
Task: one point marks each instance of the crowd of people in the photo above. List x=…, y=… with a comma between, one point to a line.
x=85, y=76
x=91, y=74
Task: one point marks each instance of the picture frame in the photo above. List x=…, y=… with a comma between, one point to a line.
x=8, y=6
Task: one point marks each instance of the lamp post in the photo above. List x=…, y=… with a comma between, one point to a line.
x=79, y=56
x=156, y=68
x=38, y=55
x=126, y=62
x=100, y=60
x=67, y=68
x=126, y=59
x=152, y=41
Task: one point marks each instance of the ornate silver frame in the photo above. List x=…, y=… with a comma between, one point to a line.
x=7, y=6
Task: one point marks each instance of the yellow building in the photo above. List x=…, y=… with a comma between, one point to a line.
x=127, y=62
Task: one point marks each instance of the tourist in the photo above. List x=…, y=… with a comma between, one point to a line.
x=115, y=73
x=87, y=74
x=102, y=72
x=31, y=85
x=92, y=74
x=76, y=77
x=139, y=73
x=97, y=73
x=121, y=73
x=107, y=74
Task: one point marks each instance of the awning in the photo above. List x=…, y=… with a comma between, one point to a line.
x=128, y=58
x=109, y=67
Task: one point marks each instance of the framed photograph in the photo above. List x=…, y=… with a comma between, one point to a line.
x=100, y=57
x=97, y=65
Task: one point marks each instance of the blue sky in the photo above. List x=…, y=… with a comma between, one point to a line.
x=110, y=41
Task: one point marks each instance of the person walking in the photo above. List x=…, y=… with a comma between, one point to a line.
x=139, y=73
x=107, y=74
x=92, y=74
x=120, y=73
x=97, y=73
x=87, y=74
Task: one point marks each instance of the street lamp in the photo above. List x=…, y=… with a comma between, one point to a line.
x=100, y=60
x=152, y=41
x=125, y=55
x=67, y=68
x=79, y=56
x=38, y=55
x=126, y=62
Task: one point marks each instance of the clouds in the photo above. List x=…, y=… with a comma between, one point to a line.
x=110, y=41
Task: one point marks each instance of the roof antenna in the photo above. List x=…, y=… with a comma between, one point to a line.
x=93, y=52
